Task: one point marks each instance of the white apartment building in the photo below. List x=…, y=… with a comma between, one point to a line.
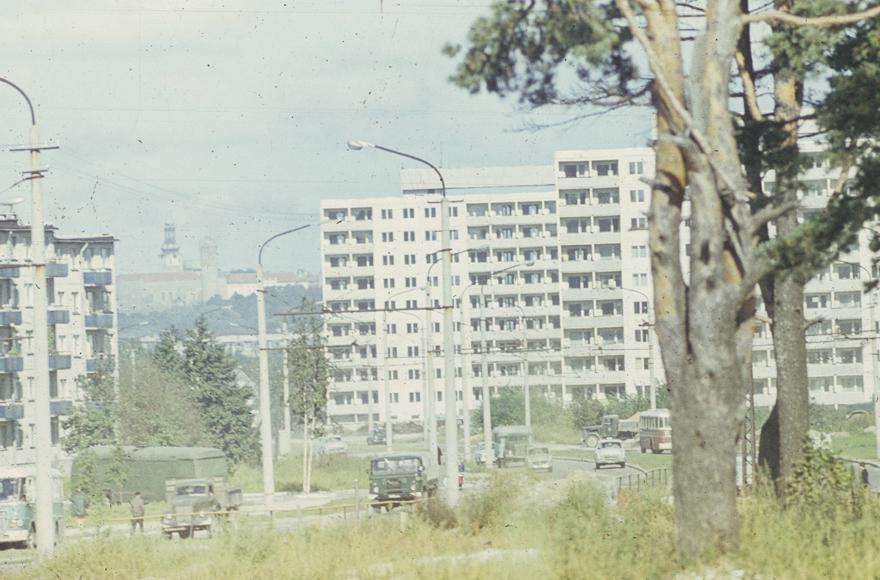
x=82, y=328
x=841, y=344
x=558, y=252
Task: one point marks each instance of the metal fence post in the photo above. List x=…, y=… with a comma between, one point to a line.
x=357, y=500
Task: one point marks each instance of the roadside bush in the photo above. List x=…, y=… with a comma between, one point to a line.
x=437, y=513
x=492, y=508
x=819, y=479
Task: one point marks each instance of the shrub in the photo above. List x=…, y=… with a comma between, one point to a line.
x=437, y=513
x=492, y=508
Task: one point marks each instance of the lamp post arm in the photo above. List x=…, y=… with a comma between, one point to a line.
x=260, y=254
x=419, y=159
x=30, y=106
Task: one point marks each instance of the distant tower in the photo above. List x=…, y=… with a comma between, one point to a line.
x=172, y=261
x=210, y=272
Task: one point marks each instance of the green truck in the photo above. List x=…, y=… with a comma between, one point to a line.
x=399, y=478
x=193, y=505
x=146, y=469
x=512, y=444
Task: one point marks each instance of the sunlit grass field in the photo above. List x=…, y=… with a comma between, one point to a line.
x=333, y=472
x=506, y=533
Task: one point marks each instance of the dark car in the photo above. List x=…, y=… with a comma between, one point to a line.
x=376, y=437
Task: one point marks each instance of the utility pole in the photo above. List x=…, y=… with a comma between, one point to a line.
x=388, y=430
x=42, y=421
x=284, y=438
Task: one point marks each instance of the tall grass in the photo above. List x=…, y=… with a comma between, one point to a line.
x=333, y=472
x=510, y=532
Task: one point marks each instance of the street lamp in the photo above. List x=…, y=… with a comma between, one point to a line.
x=265, y=406
x=42, y=421
x=448, y=339
x=874, y=354
x=484, y=364
x=653, y=394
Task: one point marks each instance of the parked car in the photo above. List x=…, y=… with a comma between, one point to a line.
x=480, y=454
x=610, y=452
x=376, y=437
x=330, y=445
x=539, y=458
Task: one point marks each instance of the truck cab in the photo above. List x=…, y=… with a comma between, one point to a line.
x=512, y=444
x=192, y=504
x=400, y=478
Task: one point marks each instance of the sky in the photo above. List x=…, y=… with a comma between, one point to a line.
x=230, y=118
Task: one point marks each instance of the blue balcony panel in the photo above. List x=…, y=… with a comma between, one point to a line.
x=97, y=278
x=11, y=412
x=99, y=321
x=11, y=364
x=92, y=364
x=59, y=362
x=55, y=270
x=55, y=317
x=9, y=272
x=10, y=317
x=57, y=408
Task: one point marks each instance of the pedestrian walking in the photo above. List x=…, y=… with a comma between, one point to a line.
x=439, y=456
x=79, y=506
x=137, y=512
x=864, y=474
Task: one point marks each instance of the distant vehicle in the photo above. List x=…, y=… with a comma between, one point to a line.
x=376, y=437
x=655, y=431
x=610, y=452
x=192, y=501
x=18, y=506
x=148, y=468
x=480, y=454
x=331, y=445
x=611, y=427
x=511, y=444
x=539, y=458
x=403, y=477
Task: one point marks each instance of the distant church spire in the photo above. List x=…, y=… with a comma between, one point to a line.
x=170, y=256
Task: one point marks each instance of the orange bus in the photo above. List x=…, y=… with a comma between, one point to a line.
x=655, y=431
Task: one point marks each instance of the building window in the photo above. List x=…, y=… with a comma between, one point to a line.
x=430, y=212
x=636, y=168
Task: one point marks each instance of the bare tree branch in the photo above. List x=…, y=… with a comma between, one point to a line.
x=769, y=213
x=814, y=22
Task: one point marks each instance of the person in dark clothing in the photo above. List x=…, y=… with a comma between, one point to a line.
x=137, y=512
x=865, y=481
x=439, y=456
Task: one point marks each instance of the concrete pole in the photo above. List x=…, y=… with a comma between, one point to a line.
x=449, y=359
x=42, y=421
x=265, y=402
x=284, y=438
x=484, y=370
x=465, y=387
x=528, y=401
x=429, y=370
x=389, y=444
x=651, y=370
x=874, y=355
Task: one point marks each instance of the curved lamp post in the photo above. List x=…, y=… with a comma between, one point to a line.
x=448, y=339
x=42, y=420
x=265, y=403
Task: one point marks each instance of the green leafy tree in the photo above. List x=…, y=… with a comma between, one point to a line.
x=310, y=371
x=94, y=422
x=210, y=373
x=167, y=356
x=704, y=317
x=157, y=407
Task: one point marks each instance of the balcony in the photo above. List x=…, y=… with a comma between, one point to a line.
x=93, y=364
x=11, y=364
x=99, y=321
x=97, y=278
x=59, y=408
x=55, y=317
x=59, y=362
x=10, y=317
x=8, y=272
x=56, y=270
x=11, y=412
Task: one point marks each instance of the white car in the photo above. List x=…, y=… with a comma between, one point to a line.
x=331, y=445
x=610, y=452
x=539, y=458
x=480, y=454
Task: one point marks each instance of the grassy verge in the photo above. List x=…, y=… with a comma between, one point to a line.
x=100, y=515
x=333, y=472
x=862, y=445
x=505, y=533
